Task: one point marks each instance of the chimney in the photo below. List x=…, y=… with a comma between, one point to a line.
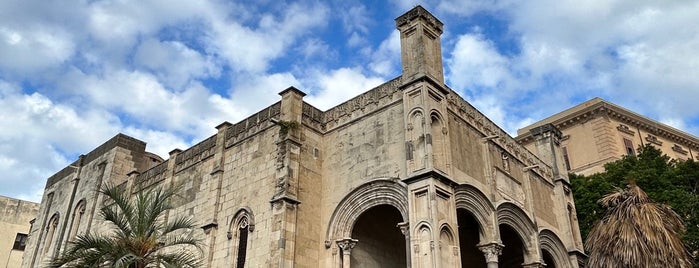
x=421, y=49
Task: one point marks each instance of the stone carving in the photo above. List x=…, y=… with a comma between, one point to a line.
x=360, y=105
x=252, y=124
x=346, y=245
x=195, y=153
x=474, y=118
x=491, y=251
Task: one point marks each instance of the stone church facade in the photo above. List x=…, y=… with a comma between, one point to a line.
x=407, y=174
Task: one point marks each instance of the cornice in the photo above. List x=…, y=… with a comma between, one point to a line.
x=599, y=107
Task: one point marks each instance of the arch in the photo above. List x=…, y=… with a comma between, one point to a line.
x=471, y=199
x=385, y=191
x=447, y=246
x=51, y=231
x=242, y=223
x=513, y=216
x=242, y=214
x=78, y=213
x=550, y=242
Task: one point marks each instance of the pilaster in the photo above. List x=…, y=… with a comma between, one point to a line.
x=285, y=199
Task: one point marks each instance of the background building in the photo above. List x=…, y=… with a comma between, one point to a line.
x=15, y=218
x=597, y=132
x=408, y=173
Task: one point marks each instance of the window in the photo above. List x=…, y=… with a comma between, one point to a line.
x=629, y=147
x=242, y=225
x=20, y=242
x=50, y=230
x=242, y=244
x=77, y=219
x=566, y=160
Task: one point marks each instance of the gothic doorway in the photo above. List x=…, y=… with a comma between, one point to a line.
x=380, y=241
x=513, y=253
x=469, y=237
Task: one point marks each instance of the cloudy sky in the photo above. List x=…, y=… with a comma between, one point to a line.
x=75, y=73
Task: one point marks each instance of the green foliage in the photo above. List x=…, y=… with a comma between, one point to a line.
x=285, y=126
x=669, y=182
x=140, y=237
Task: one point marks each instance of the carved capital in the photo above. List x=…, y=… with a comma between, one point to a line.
x=404, y=228
x=346, y=244
x=491, y=251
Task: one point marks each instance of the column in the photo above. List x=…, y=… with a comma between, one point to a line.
x=405, y=230
x=491, y=252
x=346, y=245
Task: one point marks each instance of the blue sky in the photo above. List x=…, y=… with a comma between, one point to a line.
x=75, y=73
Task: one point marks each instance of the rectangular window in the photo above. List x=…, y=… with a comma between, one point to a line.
x=629, y=147
x=566, y=160
x=20, y=242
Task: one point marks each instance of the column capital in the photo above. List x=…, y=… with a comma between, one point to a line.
x=346, y=244
x=491, y=251
x=404, y=228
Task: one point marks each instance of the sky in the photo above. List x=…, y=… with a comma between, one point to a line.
x=75, y=73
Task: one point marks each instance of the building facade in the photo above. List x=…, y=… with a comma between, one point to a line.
x=407, y=174
x=597, y=132
x=15, y=222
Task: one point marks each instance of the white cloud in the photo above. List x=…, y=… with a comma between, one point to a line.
x=340, y=85
x=476, y=63
x=25, y=50
x=165, y=59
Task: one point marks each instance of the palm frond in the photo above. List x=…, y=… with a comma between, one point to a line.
x=636, y=232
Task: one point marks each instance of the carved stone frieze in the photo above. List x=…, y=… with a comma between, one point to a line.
x=473, y=117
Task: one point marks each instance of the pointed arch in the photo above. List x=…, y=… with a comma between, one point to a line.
x=241, y=225
x=550, y=242
x=78, y=213
x=383, y=191
x=51, y=232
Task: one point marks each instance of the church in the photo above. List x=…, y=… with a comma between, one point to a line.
x=407, y=174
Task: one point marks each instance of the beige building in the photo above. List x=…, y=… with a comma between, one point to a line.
x=407, y=174
x=597, y=132
x=15, y=218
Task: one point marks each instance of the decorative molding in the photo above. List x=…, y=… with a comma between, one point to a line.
x=625, y=129
x=461, y=108
x=679, y=149
x=366, y=103
x=491, y=251
x=654, y=140
x=253, y=124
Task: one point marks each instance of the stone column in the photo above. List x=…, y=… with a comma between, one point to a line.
x=346, y=245
x=405, y=230
x=491, y=252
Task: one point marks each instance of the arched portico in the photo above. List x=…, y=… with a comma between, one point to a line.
x=518, y=234
x=552, y=249
x=474, y=213
x=357, y=213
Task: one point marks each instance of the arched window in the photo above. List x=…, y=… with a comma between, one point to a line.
x=242, y=224
x=77, y=218
x=50, y=230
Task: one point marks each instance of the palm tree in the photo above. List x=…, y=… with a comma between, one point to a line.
x=140, y=237
x=636, y=232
